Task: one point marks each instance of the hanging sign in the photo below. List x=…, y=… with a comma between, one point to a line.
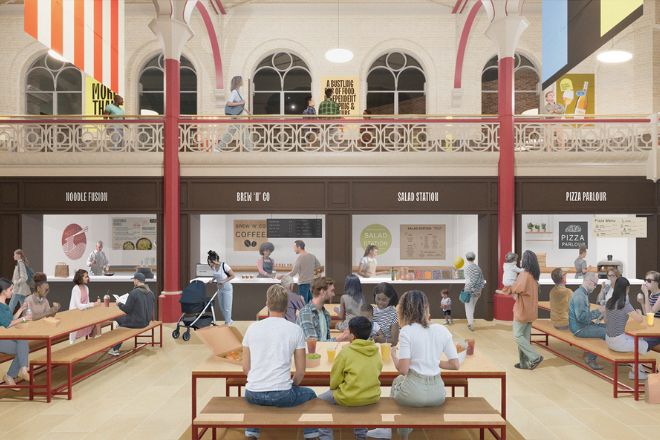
x=573, y=235
x=97, y=97
x=346, y=93
x=249, y=234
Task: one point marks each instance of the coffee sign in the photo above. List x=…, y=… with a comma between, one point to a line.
x=573, y=235
x=249, y=235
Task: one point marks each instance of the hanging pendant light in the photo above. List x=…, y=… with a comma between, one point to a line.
x=338, y=55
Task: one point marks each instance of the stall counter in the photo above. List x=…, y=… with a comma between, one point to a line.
x=378, y=280
x=116, y=278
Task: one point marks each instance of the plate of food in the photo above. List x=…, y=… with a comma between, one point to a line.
x=128, y=246
x=144, y=244
x=313, y=360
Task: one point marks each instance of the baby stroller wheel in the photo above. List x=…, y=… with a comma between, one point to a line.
x=175, y=333
x=186, y=335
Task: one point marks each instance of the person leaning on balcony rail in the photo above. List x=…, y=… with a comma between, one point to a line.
x=114, y=111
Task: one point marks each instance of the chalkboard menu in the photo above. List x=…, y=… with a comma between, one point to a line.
x=294, y=228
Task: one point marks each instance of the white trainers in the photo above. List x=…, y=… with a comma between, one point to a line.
x=380, y=433
x=641, y=375
x=113, y=352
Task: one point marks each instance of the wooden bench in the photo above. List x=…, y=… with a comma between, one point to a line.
x=73, y=354
x=592, y=345
x=455, y=413
x=450, y=382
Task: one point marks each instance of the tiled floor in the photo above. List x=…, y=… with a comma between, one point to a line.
x=147, y=396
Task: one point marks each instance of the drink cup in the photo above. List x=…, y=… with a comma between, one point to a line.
x=106, y=300
x=311, y=345
x=470, y=346
x=386, y=351
x=650, y=318
x=331, y=354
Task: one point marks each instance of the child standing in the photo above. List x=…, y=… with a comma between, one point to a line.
x=354, y=375
x=510, y=272
x=367, y=310
x=445, y=303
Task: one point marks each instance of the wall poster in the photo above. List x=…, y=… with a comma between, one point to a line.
x=346, y=93
x=576, y=93
x=97, y=97
x=423, y=242
x=134, y=233
x=249, y=234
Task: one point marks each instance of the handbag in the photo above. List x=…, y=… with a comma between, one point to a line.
x=464, y=296
x=234, y=110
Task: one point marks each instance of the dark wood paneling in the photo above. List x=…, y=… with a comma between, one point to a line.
x=339, y=195
x=549, y=195
x=487, y=257
x=9, y=195
x=338, y=233
x=10, y=232
x=647, y=257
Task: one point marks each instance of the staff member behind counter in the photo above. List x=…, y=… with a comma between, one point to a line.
x=265, y=264
x=368, y=262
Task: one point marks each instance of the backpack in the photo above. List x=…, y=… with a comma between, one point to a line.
x=30, y=277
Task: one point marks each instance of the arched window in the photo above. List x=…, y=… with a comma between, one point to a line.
x=53, y=87
x=282, y=81
x=526, y=86
x=396, y=85
x=152, y=86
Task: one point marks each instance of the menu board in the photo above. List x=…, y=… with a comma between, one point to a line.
x=423, y=242
x=134, y=233
x=620, y=227
x=295, y=228
x=249, y=235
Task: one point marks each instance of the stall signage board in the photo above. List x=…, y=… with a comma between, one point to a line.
x=423, y=242
x=134, y=233
x=249, y=234
x=620, y=227
x=573, y=235
x=378, y=235
x=294, y=228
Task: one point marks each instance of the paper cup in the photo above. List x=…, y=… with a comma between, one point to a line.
x=331, y=355
x=650, y=318
x=386, y=351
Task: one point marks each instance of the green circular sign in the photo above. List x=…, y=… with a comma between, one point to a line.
x=378, y=235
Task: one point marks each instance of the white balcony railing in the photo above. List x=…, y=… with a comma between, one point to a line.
x=284, y=134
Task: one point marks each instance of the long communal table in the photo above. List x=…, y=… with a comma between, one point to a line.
x=41, y=330
x=637, y=331
x=477, y=366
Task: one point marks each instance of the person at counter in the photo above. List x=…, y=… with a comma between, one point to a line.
x=314, y=318
x=265, y=264
x=306, y=266
x=98, y=261
x=580, y=262
x=580, y=317
x=368, y=262
x=560, y=296
x=474, y=283
x=19, y=349
x=139, y=308
x=222, y=276
x=37, y=302
x=80, y=300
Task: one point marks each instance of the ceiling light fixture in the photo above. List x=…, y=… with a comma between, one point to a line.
x=338, y=55
x=614, y=56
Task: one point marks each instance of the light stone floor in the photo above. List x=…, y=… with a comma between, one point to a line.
x=148, y=395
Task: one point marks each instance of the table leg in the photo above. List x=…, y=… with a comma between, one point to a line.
x=194, y=399
x=636, y=366
x=503, y=393
x=49, y=370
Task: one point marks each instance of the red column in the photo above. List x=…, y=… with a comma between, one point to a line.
x=169, y=301
x=506, y=197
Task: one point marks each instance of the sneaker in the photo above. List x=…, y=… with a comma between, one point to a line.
x=593, y=364
x=470, y=327
x=113, y=352
x=641, y=375
x=10, y=381
x=536, y=363
x=380, y=433
x=24, y=374
x=520, y=367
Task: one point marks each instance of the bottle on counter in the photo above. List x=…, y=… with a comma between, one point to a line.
x=392, y=273
x=106, y=300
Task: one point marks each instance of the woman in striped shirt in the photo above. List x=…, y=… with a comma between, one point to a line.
x=649, y=300
x=385, y=315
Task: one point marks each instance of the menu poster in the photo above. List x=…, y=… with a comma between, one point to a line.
x=620, y=227
x=423, y=242
x=134, y=233
x=295, y=228
x=249, y=235
x=573, y=235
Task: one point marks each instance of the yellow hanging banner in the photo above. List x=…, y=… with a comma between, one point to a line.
x=97, y=96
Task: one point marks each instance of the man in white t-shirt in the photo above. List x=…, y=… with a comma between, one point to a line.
x=268, y=346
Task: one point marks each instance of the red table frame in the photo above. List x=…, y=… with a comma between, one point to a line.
x=636, y=334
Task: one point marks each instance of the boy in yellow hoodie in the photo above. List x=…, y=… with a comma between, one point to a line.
x=354, y=378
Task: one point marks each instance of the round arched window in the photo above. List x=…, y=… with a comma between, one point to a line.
x=282, y=82
x=526, y=86
x=53, y=87
x=152, y=86
x=396, y=85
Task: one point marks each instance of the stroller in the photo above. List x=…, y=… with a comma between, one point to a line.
x=195, y=308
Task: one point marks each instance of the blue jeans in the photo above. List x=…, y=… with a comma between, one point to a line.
x=305, y=291
x=596, y=331
x=281, y=399
x=225, y=299
x=652, y=342
x=326, y=433
x=20, y=350
x=16, y=299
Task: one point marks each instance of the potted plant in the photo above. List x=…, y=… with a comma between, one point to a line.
x=530, y=226
x=537, y=227
x=543, y=227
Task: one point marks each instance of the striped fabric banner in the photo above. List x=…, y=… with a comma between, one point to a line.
x=87, y=33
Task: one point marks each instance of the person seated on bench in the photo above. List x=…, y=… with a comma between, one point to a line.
x=580, y=317
x=421, y=345
x=617, y=312
x=354, y=374
x=80, y=300
x=268, y=346
x=525, y=291
x=296, y=302
x=19, y=349
x=314, y=318
x=37, y=302
x=649, y=300
x=139, y=308
x=560, y=296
